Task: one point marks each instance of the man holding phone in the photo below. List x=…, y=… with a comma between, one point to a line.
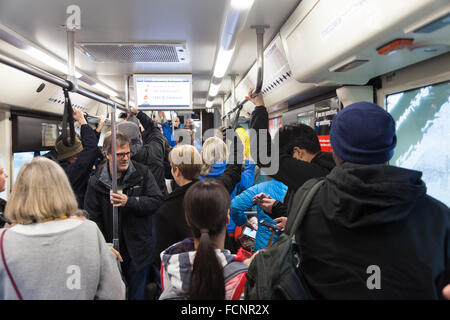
x=300, y=157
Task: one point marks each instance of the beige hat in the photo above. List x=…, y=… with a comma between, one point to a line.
x=65, y=152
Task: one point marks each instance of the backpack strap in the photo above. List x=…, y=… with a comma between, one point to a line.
x=6, y=267
x=299, y=204
x=232, y=269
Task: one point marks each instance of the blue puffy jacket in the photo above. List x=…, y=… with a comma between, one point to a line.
x=247, y=180
x=276, y=189
x=167, y=131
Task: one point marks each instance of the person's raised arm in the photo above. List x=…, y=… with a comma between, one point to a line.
x=259, y=122
x=145, y=120
x=232, y=175
x=167, y=130
x=100, y=126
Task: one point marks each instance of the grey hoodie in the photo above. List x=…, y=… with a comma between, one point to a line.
x=59, y=260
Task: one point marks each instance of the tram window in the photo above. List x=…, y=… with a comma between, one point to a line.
x=29, y=133
x=422, y=117
x=274, y=125
x=307, y=118
x=20, y=158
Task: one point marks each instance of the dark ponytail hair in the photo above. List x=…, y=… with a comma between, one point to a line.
x=206, y=206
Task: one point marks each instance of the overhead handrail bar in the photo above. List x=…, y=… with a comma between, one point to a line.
x=51, y=78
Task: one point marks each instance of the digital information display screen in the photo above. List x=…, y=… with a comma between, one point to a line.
x=422, y=118
x=163, y=92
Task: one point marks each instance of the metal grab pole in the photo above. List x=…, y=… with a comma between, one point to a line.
x=260, y=75
x=71, y=57
x=115, y=211
x=34, y=71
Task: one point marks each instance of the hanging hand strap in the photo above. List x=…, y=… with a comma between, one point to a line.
x=68, y=117
x=7, y=269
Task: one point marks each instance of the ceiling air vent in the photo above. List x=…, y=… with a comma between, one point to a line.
x=135, y=52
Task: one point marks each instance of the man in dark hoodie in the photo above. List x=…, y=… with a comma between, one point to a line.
x=300, y=156
x=371, y=231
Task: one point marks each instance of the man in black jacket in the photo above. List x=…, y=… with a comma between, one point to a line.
x=77, y=160
x=371, y=231
x=138, y=199
x=300, y=157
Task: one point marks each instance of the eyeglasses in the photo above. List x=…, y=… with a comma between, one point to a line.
x=123, y=155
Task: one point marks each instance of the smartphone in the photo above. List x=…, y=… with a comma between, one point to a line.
x=249, y=232
x=270, y=225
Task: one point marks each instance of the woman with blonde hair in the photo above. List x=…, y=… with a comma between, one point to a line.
x=169, y=223
x=46, y=255
x=215, y=155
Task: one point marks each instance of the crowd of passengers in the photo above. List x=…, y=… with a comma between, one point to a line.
x=180, y=240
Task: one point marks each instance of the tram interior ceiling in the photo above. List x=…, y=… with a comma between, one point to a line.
x=285, y=61
x=193, y=64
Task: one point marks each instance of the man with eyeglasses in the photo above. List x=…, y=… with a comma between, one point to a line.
x=137, y=198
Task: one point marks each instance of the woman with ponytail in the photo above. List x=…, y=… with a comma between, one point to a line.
x=200, y=268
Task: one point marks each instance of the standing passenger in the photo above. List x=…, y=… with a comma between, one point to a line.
x=300, y=156
x=215, y=154
x=170, y=226
x=152, y=152
x=167, y=130
x=47, y=255
x=169, y=223
x=371, y=231
x=77, y=160
x=137, y=199
x=273, y=188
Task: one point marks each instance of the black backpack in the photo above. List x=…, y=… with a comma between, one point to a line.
x=272, y=275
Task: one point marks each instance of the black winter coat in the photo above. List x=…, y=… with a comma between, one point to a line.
x=170, y=225
x=135, y=218
x=292, y=172
x=375, y=215
x=153, y=151
x=79, y=171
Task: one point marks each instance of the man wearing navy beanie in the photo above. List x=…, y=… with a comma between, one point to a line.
x=371, y=231
x=363, y=133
